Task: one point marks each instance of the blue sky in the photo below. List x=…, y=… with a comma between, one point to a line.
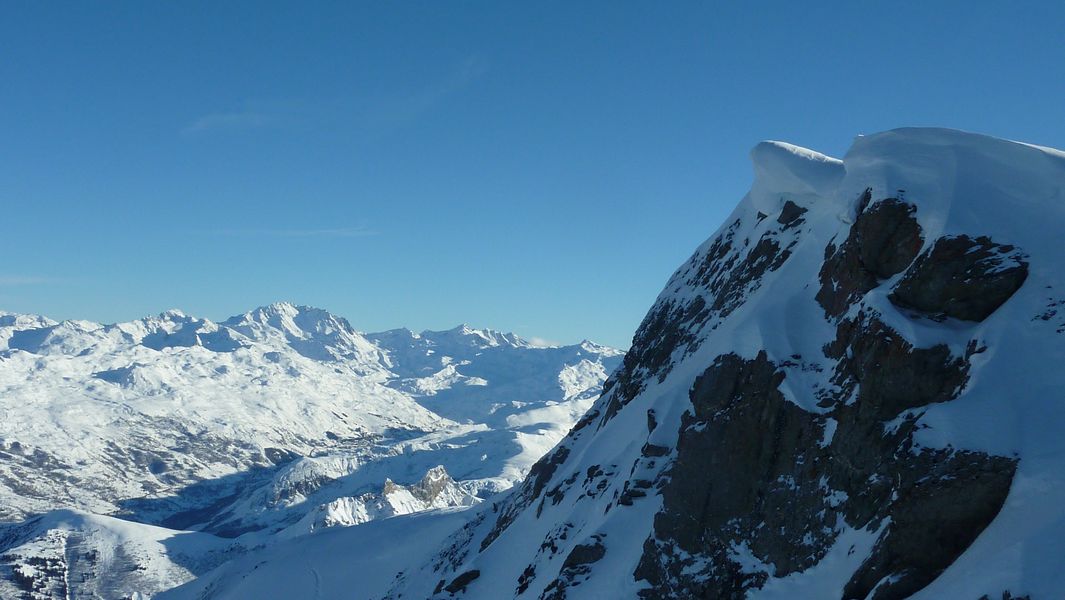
x=537, y=167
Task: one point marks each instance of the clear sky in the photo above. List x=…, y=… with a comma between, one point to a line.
x=538, y=167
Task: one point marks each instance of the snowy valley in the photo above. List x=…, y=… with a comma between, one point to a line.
x=138, y=455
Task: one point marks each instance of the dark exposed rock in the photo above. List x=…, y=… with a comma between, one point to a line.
x=754, y=471
x=889, y=374
x=629, y=494
x=963, y=278
x=933, y=521
x=726, y=274
x=759, y=487
x=557, y=493
x=435, y=481
x=654, y=450
x=742, y=437
x=1055, y=313
x=575, y=568
x=585, y=421
x=459, y=583
x=584, y=554
x=791, y=214
x=884, y=240
x=729, y=288
x=664, y=329
x=525, y=579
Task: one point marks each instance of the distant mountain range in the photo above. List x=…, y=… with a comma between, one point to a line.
x=271, y=424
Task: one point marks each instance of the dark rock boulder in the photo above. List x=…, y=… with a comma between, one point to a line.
x=575, y=568
x=791, y=215
x=585, y=554
x=887, y=372
x=962, y=277
x=884, y=240
x=459, y=583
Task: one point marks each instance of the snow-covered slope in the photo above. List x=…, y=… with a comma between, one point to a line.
x=71, y=554
x=851, y=390
x=278, y=421
x=344, y=562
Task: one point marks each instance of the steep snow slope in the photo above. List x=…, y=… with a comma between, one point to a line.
x=348, y=562
x=852, y=390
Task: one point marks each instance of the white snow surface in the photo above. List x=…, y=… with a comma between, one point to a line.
x=350, y=562
x=1012, y=405
x=76, y=554
x=269, y=425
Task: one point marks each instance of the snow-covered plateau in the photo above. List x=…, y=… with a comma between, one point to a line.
x=852, y=390
x=137, y=456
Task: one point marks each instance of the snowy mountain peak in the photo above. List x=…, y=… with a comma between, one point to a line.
x=302, y=321
x=313, y=332
x=23, y=321
x=173, y=314
x=849, y=391
x=482, y=338
x=594, y=348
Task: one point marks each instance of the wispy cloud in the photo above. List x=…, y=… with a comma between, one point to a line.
x=328, y=232
x=230, y=121
x=15, y=280
x=385, y=110
x=398, y=108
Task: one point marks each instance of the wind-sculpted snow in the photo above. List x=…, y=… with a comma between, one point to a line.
x=271, y=424
x=851, y=390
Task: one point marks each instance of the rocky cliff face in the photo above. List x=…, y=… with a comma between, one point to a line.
x=436, y=490
x=852, y=390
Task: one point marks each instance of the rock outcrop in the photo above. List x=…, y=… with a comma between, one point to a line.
x=794, y=416
x=884, y=239
x=963, y=278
